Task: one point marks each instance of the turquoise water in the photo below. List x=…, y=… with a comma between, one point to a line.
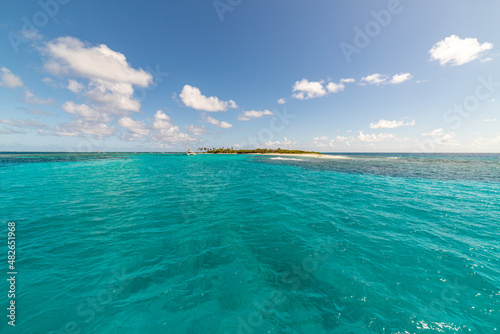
x=145, y=243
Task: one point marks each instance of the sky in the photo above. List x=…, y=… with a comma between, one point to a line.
x=328, y=76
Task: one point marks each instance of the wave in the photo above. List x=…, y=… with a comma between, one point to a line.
x=289, y=159
x=340, y=157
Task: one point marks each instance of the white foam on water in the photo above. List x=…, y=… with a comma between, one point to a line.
x=291, y=159
x=340, y=157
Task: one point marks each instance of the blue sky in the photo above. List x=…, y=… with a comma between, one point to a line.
x=336, y=76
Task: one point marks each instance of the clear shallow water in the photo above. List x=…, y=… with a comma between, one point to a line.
x=144, y=243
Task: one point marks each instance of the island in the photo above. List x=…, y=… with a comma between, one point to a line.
x=226, y=150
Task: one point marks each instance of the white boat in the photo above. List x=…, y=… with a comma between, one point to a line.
x=188, y=150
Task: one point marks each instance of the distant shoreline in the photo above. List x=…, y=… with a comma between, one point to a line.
x=279, y=151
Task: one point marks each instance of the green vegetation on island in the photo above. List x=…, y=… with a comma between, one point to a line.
x=226, y=150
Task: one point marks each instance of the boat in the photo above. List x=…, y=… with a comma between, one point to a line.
x=188, y=150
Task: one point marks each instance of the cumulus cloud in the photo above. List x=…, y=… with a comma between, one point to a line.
x=400, y=78
x=74, y=86
x=110, y=78
x=339, y=139
x=440, y=136
x=30, y=98
x=225, y=125
x=333, y=87
x=247, y=115
x=374, y=79
x=348, y=80
x=325, y=141
x=305, y=89
x=456, y=51
x=385, y=124
x=164, y=130
x=276, y=144
x=197, y=130
x=8, y=79
x=192, y=97
x=374, y=137
x=380, y=79
x=79, y=126
x=282, y=101
x=219, y=124
x=84, y=111
x=113, y=97
x=70, y=56
x=135, y=128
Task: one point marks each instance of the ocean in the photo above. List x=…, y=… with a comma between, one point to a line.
x=168, y=243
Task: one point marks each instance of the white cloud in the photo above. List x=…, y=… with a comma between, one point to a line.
x=136, y=129
x=282, y=101
x=378, y=79
x=340, y=139
x=321, y=138
x=305, y=89
x=276, y=144
x=114, y=97
x=374, y=79
x=436, y=132
x=440, y=136
x=192, y=97
x=84, y=111
x=385, y=124
x=373, y=137
x=74, y=86
x=164, y=130
x=225, y=125
x=110, y=77
x=8, y=79
x=62, y=130
x=457, y=51
x=70, y=56
x=247, y=115
x=197, y=130
x=333, y=141
x=400, y=78
x=333, y=87
x=91, y=128
x=348, y=80
x=219, y=124
x=30, y=98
